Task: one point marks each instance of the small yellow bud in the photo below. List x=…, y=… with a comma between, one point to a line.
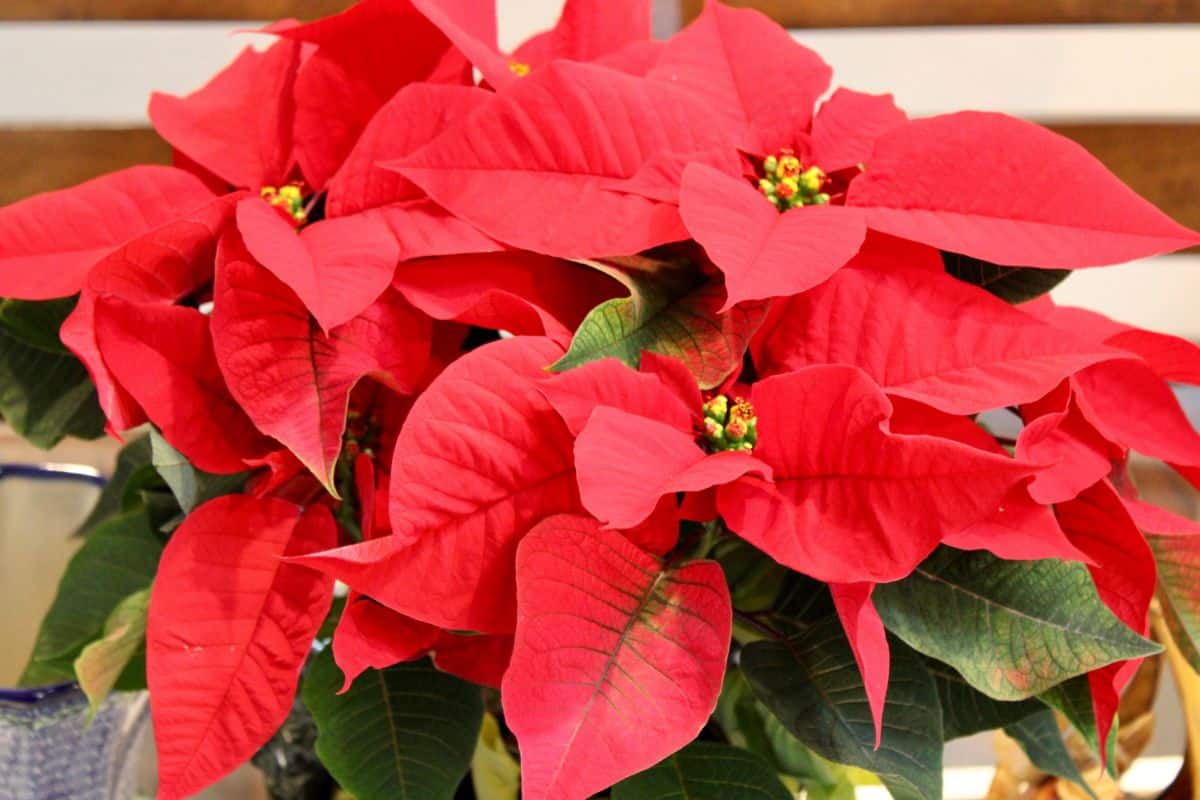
x=519, y=69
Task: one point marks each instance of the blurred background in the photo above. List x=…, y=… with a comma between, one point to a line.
x=1122, y=77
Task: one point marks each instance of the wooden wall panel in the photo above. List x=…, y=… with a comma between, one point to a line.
x=167, y=9
x=1160, y=161
x=889, y=13
x=36, y=160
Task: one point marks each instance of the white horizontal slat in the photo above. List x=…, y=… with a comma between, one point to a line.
x=101, y=73
x=1158, y=293
x=1050, y=73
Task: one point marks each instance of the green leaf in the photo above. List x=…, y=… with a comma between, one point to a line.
x=1178, y=560
x=495, y=774
x=1011, y=284
x=755, y=579
x=749, y=725
x=966, y=710
x=45, y=392
x=957, y=605
x=672, y=312
x=36, y=323
x=811, y=682
x=131, y=458
x=406, y=731
x=1042, y=741
x=705, y=770
x=191, y=487
x=118, y=558
x=101, y=663
x=1073, y=699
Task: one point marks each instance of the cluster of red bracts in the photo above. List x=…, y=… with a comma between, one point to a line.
x=351, y=203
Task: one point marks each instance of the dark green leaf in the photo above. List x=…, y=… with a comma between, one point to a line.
x=1011, y=284
x=406, y=731
x=748, y=724
x=705, y=770
x=966, y=710
x=133, y=457
x=671, y=312
x=957, y=605
x=811, y=682
x=191, y=487
x=118, y=558
x=755, y=579
x=37, y=323
x=1042, y=741
x=45, y=392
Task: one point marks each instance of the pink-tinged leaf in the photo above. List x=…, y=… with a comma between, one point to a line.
x=162, y=266
x=479, y=659
x=293, y=380
x=407, y=122
x=1178, y=558
x=1125, y=575
x=618, y=662
x=371, y=636
x=760, y=80
x=1076, y=454
x=524, y=166
x=672, y=315
x=854, y=502
x=470, y=483
x=868, y=639
x=423, y=229
x=762, y=252
x=925, y=336
x=1060, y=207
x=1022, y=529
x=662, y=178
x=229, y=627
x=239, y=125
x=50, y=241
x=518, y=292
x=847, y=126
x=1159, y=521
x=365, y=55
x=1132, y=406
x=626, y=463
x=338, y=267
x=576, y=393
x=163, y=356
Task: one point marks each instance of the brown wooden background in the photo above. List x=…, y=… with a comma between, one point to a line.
x=1161, y=161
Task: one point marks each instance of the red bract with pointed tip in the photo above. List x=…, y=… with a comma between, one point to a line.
x=843, y=512
x=481, y=459
x=601, y=628
x=293, y=380
x=239, y=126
x=225, y=643
x=412, y=294
x=50, y=241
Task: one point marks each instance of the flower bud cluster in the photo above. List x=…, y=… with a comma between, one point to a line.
x=289, y=200
x=730, y=426
x=787, y=184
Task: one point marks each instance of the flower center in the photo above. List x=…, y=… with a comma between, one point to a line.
x=787, y=183
x=729, y=426
x=289, y=200
x=519, y=69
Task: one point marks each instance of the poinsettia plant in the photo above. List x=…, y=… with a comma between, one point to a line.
x=634, y=408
